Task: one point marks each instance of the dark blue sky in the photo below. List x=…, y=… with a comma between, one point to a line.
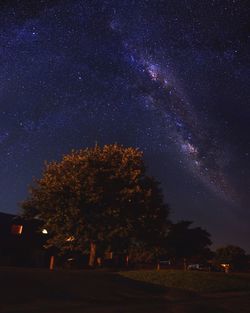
x=169, y=77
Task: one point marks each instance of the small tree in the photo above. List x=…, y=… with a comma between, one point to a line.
x=98, y=198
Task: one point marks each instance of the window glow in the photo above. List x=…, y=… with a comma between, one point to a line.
x=16, y=229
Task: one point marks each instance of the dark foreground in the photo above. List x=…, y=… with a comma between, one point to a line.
x=31, y=291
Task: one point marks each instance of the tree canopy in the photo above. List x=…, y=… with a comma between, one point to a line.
x=98, y=197
x=184, y=242
x=232, y=255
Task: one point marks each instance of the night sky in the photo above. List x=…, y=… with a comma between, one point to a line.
x=169, y=77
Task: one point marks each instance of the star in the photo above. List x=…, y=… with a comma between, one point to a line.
x=169, y=78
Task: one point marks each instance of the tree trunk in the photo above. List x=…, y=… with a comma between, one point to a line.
x=92, y=254
x=52, y=262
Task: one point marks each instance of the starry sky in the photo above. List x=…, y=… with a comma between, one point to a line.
x=169, y=77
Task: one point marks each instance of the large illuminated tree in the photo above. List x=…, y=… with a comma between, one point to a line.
x=98, y=197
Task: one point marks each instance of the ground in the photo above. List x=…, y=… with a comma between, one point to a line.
x=197, y=281
x=41, y=291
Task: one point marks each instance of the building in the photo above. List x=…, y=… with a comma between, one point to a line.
x=22, y=242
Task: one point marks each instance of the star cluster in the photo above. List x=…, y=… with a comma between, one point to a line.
x=170, y=77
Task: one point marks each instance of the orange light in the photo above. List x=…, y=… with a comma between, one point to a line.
x=16, y=229
x=71, y=238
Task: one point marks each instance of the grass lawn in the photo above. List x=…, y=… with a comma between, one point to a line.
x=42, y=291
x=193, y=280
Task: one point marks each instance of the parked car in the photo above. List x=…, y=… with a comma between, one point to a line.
x=193, y=267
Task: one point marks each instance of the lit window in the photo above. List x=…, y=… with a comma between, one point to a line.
x=16, y=229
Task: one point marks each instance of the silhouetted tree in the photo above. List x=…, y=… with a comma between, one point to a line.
x=185, y=243
x=98, y=198
x=232, y=255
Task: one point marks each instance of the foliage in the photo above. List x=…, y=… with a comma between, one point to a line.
x=98, y=195
x=142, y=253
x=233, y=255
x=185, y=242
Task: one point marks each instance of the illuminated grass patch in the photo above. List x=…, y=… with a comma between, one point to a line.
x=195, y=281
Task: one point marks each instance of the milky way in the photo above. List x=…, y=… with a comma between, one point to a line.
x=183, y=129
x=169, y=77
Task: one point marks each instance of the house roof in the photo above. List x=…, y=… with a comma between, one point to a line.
x=6, y=218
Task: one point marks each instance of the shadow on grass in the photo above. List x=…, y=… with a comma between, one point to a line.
x=38, y=291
